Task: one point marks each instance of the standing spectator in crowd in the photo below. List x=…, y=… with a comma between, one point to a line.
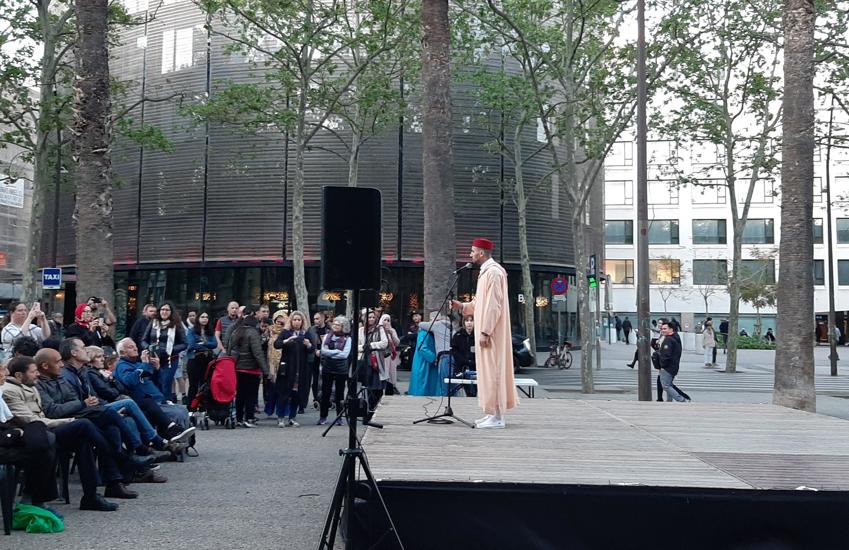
x=191, y=318
x=723, y=331
x=141, y=325
x=411, y=334
x=269, y=389
x=30, y=446
x=335, y=352
x=391, y=355
x=463, y=353
x=165, y=339
x=617, y=322
x=373, y=371
x=57, y=325
x=200, y=342
x=245, y=345
x=626, y=330
x=93, y=332
x=20, y=321
x=77, y=436
x=224, y=322
x=670, y=359
x=709, y=343
x=292, y=373
x=100, y=309
x=413, y=327
x=315, y=334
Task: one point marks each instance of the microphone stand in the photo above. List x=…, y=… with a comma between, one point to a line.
x=448, y=416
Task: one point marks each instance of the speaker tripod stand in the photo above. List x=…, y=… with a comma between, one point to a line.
x=447, y=417
x=343, y=495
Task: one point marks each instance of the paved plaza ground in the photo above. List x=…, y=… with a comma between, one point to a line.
x=270, y=487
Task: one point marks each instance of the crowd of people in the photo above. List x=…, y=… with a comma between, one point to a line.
x=118, y=408
x=70, y=393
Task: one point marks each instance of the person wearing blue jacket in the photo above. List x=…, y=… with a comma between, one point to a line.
x=201, y=342
x=424, y=376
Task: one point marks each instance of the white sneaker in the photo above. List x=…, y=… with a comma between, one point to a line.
x=484, y=419
x=293, y=424
x=492, y=422
x=248, y=424
x=282, y=424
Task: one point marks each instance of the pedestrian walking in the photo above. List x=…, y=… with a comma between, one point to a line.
x=626, y=329
x=617, y=322
x=670, y=360
x=723, y=332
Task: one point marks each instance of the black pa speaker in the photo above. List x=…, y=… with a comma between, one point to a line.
x=351, y=240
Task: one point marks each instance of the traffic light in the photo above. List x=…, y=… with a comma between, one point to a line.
x=593, y=280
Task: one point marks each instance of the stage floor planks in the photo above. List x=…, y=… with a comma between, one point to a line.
x=573, y=442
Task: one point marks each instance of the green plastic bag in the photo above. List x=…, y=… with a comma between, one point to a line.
x=33, y=519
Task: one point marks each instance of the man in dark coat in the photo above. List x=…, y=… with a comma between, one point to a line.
x=670, y=360
x=626, y=328
x=617, y=322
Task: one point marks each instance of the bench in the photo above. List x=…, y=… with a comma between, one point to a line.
x=521, y=383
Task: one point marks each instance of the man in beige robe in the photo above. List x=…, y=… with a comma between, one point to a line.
x=494, y=353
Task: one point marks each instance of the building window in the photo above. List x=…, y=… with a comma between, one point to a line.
x=819, y=272
x=707, y=153
x=764, y=192
x=663, y=192
x=818, y=235
x=662, y=152
x=618, y=192
x=619, y=232
x=663, y=232
x=620, y=272
x=621, y=154
x=842, y=230
x=665, y=271
x=843, y=272
x=758, y=272
x=759, y=231
x=709, y=232
x=710, y=272
x=177, y=49
x=709, y=191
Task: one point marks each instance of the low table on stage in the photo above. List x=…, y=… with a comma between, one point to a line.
x=613, y=474
x=521, y=383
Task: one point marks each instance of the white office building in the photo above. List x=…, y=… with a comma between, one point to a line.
x=691, y=236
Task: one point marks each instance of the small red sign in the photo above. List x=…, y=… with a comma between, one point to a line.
x=559, y=285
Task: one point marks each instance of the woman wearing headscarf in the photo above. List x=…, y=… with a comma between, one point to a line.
x=269, y=390
x=292, y=373
x=372, y=364
x=424, y=376
x=393, y=358
x=91, y=331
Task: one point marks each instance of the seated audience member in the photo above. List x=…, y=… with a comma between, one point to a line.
x=72, y=436
x=135, y=371
x=139, y=432
x=25, y=346
x=31, y=447
x=463, y=353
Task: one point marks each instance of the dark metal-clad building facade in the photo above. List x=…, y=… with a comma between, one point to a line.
x=211, y=220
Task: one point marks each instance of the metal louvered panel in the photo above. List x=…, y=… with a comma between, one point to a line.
x=172, y=183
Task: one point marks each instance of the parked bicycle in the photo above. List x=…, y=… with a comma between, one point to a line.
x=560, y=355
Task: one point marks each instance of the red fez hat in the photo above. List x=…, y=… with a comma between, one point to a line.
x=486, y=244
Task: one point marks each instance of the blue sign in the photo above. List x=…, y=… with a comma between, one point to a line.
x=51, y=278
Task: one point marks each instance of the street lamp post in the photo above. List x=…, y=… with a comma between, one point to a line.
x=643, y=298
x=832, y=343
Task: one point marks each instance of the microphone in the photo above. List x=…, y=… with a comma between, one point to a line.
x=469, y=265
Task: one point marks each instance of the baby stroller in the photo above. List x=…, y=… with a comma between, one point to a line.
x=215, y=399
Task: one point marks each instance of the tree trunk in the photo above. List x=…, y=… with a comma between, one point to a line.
x=299, y=275
x=524, y=255
x=30, y=287
x=92, y=140
x=437, y=163
x=734, y=307
x=794, y=357
x=581, y=261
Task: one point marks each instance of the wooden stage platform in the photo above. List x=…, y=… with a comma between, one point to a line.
x=614, y=443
